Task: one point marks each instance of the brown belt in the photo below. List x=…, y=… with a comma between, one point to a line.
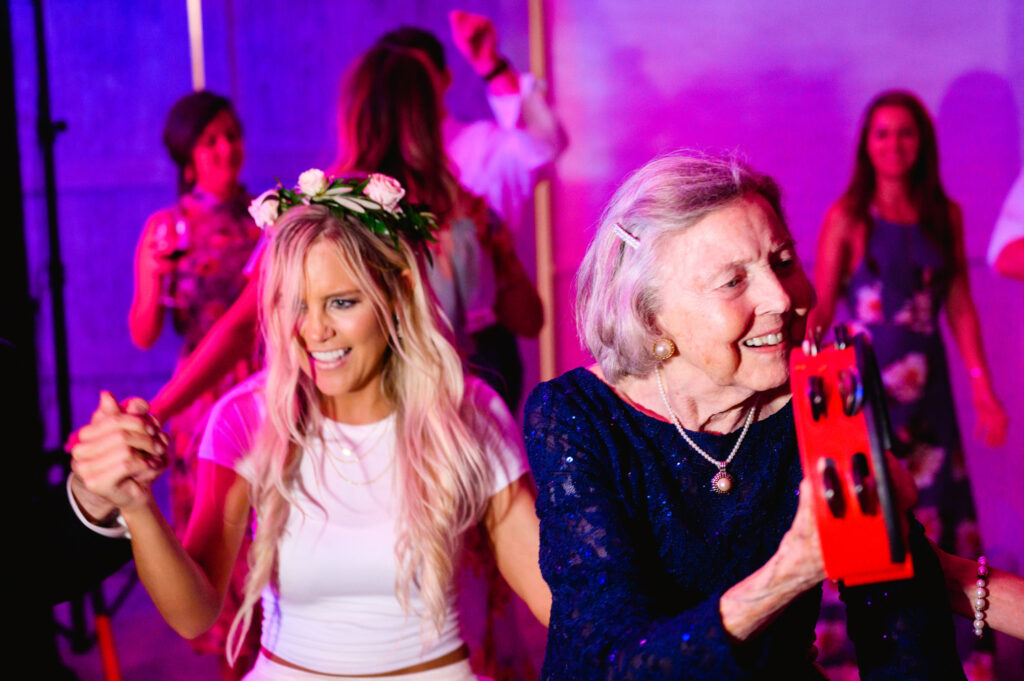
x=460, y=653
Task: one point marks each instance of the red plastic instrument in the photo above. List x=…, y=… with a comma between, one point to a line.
x=842, y=427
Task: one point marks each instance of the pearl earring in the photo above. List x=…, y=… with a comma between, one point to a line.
x=663, y=349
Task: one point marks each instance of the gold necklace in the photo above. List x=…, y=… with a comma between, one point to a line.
x=360, y=483
x=351, y=458
x=350, y=452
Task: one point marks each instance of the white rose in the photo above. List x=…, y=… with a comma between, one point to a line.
x=264, y=208
x=313, y=182
x=387, y=191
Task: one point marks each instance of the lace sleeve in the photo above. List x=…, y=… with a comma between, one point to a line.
x=903, y=630
x=607, y=620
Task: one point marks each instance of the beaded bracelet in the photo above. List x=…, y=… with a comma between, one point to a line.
x=980, y=603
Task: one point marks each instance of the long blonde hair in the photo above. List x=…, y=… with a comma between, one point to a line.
x=442, y=477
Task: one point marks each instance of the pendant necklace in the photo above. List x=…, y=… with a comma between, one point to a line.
x=352, y=452
x=721, y=482
x=348, y=450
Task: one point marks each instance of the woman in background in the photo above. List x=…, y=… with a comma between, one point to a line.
x=189, y=261
x=893, y=248
x=390, y=120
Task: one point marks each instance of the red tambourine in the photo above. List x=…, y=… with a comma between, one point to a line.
x=842, y=427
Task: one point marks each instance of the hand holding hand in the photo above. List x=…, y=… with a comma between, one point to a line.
x=120, y=452
x=477, y=40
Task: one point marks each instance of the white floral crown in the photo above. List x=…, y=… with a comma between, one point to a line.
x=377, y=201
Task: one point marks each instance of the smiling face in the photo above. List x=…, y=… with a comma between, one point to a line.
x=217, y=155
x=343, y=341
x=893, y=141
x=734, y=298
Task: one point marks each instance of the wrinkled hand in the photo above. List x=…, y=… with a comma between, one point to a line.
x=800, y=550
x=120, y=452
x=476, y=38
x=991, y=421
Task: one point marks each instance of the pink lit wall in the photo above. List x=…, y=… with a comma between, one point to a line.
x=785, y=83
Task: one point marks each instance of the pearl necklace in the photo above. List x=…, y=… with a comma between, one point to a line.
x=722, y=481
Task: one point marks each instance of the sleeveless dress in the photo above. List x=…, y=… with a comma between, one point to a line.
x=895, y=295
x=206, y=280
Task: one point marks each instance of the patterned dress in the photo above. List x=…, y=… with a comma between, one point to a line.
x=895, y=295
x=219, y=236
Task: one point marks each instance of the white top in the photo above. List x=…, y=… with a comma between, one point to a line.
x=334, y=608
x=464, y=281
x=1010, y=225
x=499, y=159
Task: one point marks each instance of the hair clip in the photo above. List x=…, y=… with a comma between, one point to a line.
x=626, y=237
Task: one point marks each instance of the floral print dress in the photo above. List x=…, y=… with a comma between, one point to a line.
x=219, y=237
x=895, y=295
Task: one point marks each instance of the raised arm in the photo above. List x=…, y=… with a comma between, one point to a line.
x=146, y=315
x=186, y=582
x=963, y=322
x=477, y=40
x=231, y=338
x=500, y=159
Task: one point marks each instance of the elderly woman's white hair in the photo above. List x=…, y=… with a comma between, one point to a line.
x=617, y=285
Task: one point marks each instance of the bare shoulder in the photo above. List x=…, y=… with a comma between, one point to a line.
x=840, y=219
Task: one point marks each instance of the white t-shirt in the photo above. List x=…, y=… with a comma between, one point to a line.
x=334, y=608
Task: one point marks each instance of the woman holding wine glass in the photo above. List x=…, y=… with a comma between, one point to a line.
x=189, y=261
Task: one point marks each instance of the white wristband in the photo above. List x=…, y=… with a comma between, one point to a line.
x=119, y=531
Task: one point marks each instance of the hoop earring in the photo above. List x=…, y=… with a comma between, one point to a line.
x=663, y=349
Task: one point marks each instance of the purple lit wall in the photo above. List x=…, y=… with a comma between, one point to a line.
x=115, y=69
x=784, y=82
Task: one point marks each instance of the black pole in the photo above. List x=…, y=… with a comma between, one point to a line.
x=47, y=131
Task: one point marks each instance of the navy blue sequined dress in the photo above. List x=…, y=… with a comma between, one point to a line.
x=638, y=550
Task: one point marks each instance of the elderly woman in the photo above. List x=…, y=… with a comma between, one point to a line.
x=674, y=535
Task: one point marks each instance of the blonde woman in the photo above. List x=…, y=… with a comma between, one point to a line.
x=363, y=452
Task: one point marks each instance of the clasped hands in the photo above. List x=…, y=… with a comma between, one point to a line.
x=116, y=457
